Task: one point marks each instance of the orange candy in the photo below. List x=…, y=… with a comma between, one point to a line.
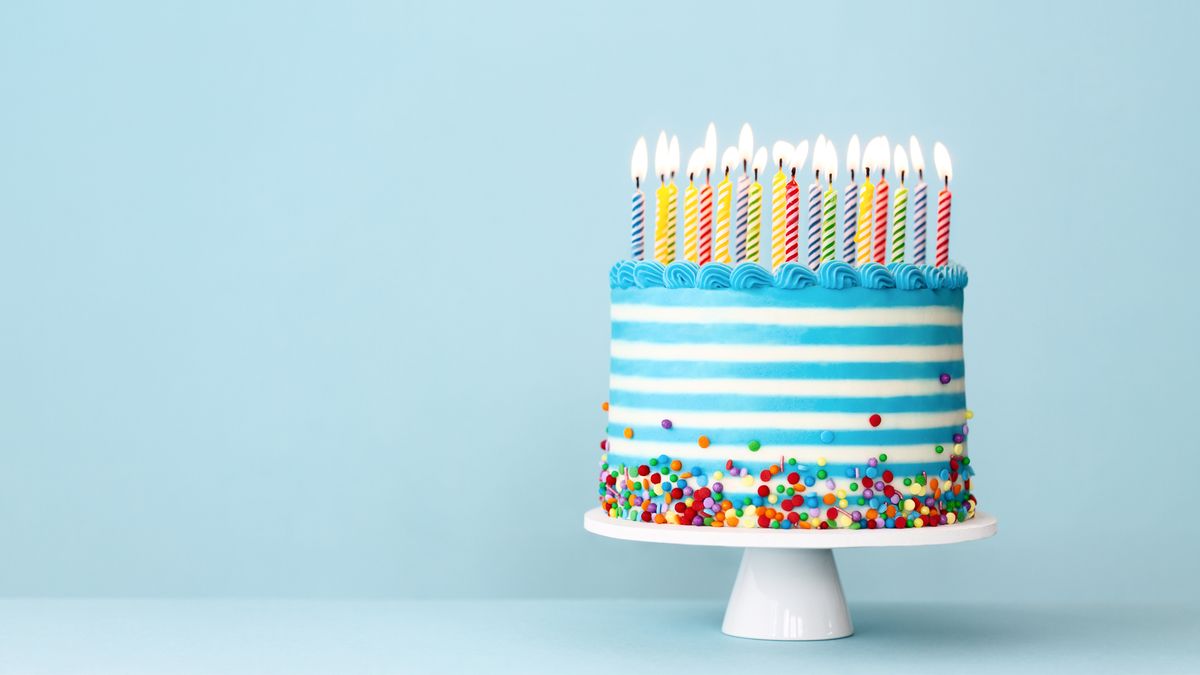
x=628, y=432
x=731, y=521
x=604, y=406
x=829, y=498
x=660, y=518
x=872, y=514
x=676, y=465
x=703, y=441
x=774, y=469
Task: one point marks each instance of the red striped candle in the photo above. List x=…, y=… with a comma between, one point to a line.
x=793, y=220
x=706, y=222
x=943, y=227
x=880, y=230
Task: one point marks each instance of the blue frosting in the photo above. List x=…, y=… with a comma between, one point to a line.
x=838, y=275
x=682, y=274
x=748, y=275
x=833, y=275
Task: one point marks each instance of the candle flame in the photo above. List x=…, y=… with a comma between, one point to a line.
x=637, y=166
x=662, y=159
x=901, y=161
x=831, y=161
x=760, y=160
x=710, y=147
x=914, y=150
x=782, y=150
x=746, y=143
x=729, y=159
x=882, y=156
x=673, y=152
x=853, y=155
x=818, y=163
x=695, y=163
x=941, y=160
x=799, y=154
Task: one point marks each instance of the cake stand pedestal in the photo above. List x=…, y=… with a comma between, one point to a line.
x=787, y=587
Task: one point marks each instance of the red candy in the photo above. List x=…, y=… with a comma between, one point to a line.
x=764, y=522
x=875, y=420
x=793, y=478
x=655, y=478
x=763, y=490
x=831, y=513
x=604, y=444
x=677, y=493
x=888, y=476
x=643, y=470
x=765, y=475
x=645, y=517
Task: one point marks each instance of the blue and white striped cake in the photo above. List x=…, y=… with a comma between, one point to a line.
x=800, y=399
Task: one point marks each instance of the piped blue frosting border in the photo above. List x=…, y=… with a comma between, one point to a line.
x=835, y=275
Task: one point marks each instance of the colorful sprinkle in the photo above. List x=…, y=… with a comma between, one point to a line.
x=826, y=436
x=875, y=420
x=754, y=446
x=604, y=406
x=703, y=441
x=628, y=432
x=944, y=378
x=666, y=424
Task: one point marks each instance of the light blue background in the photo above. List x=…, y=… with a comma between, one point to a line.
x=311, y=300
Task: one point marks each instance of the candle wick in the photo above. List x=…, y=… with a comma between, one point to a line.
x=868, y=172
x=756, y=175
x=851, y=175
x=637, y=183
x=920, y=174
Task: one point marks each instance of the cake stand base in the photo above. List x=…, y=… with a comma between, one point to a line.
x=787, y=587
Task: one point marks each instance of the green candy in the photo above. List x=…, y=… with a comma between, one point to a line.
x=754, y=446
x=938, y=449
x=821, y=474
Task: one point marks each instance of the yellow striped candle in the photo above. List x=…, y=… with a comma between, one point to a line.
x=672, y=218
x=724, y=203
x=778, y=217
x=862, y=236
x=691, y=219
x=663, y=249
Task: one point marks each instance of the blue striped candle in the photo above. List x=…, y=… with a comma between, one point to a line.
x=638, y=242
x=919, y=215
x=851, y=221
x=742, y=219
x=814, y=224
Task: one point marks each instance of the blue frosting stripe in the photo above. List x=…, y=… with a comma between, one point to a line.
x=833, y=469
x=832, y=275
x=850, y=298
x=880, y=438
x=747, y=334
x=894, y=370
x=747, y=403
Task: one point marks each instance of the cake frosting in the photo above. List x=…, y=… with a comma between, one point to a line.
x=799, y=398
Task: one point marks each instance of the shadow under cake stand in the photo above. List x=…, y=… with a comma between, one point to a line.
x=787, y=586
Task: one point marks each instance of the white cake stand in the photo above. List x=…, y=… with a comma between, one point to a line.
x=787, y=587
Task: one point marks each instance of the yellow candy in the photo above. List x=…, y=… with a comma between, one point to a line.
x=747, y=480
x=772, y=499
x=717, y=475
x=844, y=504
x=841, y=494
x=924, y=510
x=909, y=505
x=958, y=448
x=689, y=501
x=918, y=523
x=820, y=461
x=950, y=518
x=969, y=415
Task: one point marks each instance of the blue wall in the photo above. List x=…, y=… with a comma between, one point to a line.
x=269, y=323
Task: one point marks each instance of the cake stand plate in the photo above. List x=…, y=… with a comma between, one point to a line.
x=787, y=586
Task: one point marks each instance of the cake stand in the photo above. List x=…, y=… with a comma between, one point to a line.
x=787, y=586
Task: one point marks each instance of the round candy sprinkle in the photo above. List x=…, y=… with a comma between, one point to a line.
x=666, y=424
x=939, y=449
x=944, y=378
x=604, y=406
x=958, y=438
x=604, y=444
x=703, y=441
x=969, y=415
x=628, y=432
x=754, y=446
x=875, y=420
x=826, y=436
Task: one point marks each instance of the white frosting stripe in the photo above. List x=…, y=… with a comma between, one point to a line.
x=804, y=421
x=786, y=387
x=622, y=349
x=791, y=316
x=690, y=453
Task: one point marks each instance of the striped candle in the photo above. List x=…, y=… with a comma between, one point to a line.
x=814, y=223
x=706, y=224
x=943, y=227
x=637, y=239
x=742, y=219
x=850, y=221
x=862, y=238
x=919, y=205
x=792, y=245
x=672, y=217
x=899, y=219
x=691, y=216
x=829, y=235
x=724, y=202
x=879, y=231
x=778, y=217
x=661, y=251
x=755, y=217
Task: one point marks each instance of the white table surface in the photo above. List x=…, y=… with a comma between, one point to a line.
x=577, y=636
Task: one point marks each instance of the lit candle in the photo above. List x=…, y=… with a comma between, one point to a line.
x=941, y=161
x=829, y=205
x=742, y=217
x=814, y=205
x=879, y=231
x=862, y=237
x=663, y=249
x=899, y=207
x=759, y=165
x=637, y=169
x=919, y=202
x=706, y=195
x=691, y=207
x=724, y=204
x=850, y=219
x=672, y=195
x=783, y=155
x=793, y=204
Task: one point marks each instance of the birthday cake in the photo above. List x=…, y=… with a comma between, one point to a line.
x=795, y=394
